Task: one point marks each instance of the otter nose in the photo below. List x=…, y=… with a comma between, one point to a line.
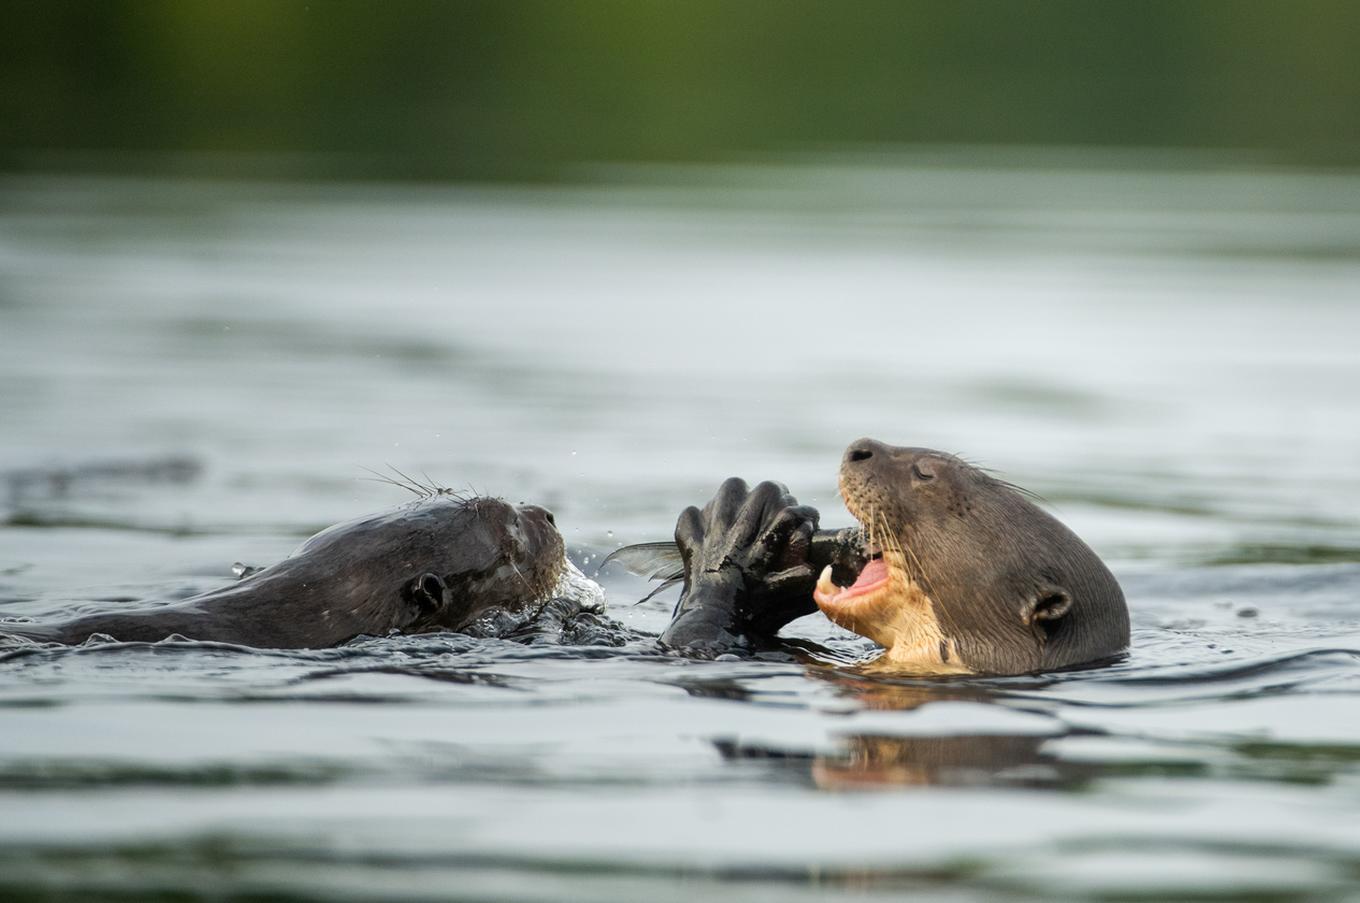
x=861, y=450
x=538, y=511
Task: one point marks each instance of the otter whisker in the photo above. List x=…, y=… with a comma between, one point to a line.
x=1021, y=490
x=892, y=542
x=386, y=482
x=522, y=579
x=995, y=477
x=437, y=489
x=421, y=490
x=890, y=546
x=384, y=478
x=919, y=567
x=476, y=509
x=405, y=481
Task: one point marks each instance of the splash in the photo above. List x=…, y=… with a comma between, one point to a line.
x=577, y=587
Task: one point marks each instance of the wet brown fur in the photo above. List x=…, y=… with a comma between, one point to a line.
x=364, y=577
x=980, y=578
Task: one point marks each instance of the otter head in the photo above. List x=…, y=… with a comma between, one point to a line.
x=965, y=573
x=449, y=559
x=494, y=555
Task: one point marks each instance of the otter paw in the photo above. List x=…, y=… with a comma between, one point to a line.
x=756, y=541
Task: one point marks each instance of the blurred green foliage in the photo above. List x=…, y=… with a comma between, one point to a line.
x=525, y=88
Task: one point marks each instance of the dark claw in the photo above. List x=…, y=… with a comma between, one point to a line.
x=725, y=505
x=689, y=532
x=799, y=545
x=788, y=521
x=765, y=499
x=768, y=493
x=792, y=579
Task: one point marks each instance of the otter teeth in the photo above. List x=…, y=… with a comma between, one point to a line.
x=824, y=584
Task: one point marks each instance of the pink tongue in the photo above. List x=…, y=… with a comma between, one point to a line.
x=874, y=572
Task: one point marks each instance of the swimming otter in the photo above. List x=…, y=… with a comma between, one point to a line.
x=956, y=571
x=475, y=565
x=439, y=562
x=967, y=574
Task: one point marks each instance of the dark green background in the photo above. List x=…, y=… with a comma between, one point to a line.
x=525, y=89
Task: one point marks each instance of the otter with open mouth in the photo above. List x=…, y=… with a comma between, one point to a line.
x=952, y=571
x=964, y=573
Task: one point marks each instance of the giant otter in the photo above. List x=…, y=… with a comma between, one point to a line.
x=439, y=562
x=957, y=571
x=967, y=573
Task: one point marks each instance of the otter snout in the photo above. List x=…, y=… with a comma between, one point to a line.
x=893, y=464
x=537, y=513
x=863, y=458
x=539, y=527
x=861, y=452
x=865, y=462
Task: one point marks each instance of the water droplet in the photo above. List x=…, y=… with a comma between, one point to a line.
x=609, y=533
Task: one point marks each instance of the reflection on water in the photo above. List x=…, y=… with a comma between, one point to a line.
x=868, y=761
x=195, y=374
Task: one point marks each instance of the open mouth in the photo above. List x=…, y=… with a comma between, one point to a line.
x=865, y=594
x=868, y=587
x=871, y=591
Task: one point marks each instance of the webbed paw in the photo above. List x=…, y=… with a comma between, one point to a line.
x=757, y=541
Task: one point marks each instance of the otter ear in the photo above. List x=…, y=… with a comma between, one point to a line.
x=1049, y=603
x=428, y=591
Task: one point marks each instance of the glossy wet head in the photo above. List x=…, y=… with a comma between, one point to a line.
x=462, y=556
x=498, y=555
x=969, y=573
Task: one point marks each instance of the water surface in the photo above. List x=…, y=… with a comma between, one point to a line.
x=196, y=373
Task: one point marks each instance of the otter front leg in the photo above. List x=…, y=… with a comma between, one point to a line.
x=746, y=568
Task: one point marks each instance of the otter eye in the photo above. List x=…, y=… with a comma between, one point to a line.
x=921, y=474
